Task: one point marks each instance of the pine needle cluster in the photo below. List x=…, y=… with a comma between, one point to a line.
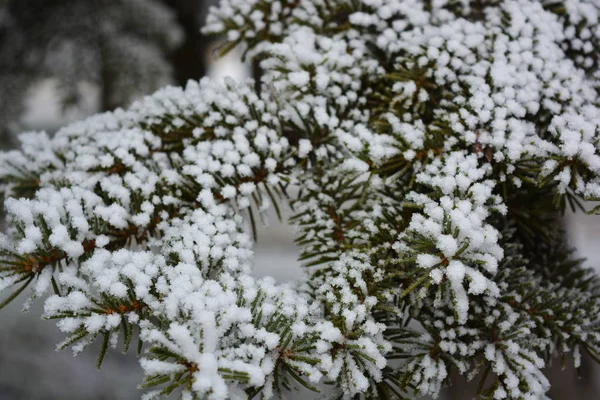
x=427, y=149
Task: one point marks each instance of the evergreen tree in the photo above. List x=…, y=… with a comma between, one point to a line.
x=120, y=45
x=434, y=146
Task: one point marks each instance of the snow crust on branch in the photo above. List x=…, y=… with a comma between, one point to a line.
x=412, y=131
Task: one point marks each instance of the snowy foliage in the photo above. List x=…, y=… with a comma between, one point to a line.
x=431, y=147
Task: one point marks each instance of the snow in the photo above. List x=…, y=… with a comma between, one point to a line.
x=170, y=226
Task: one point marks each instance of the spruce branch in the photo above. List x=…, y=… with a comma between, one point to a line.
x=432, y=148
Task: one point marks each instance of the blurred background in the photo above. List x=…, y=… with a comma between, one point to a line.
x=62, y=60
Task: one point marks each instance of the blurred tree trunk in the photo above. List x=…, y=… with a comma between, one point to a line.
x=189, y=61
